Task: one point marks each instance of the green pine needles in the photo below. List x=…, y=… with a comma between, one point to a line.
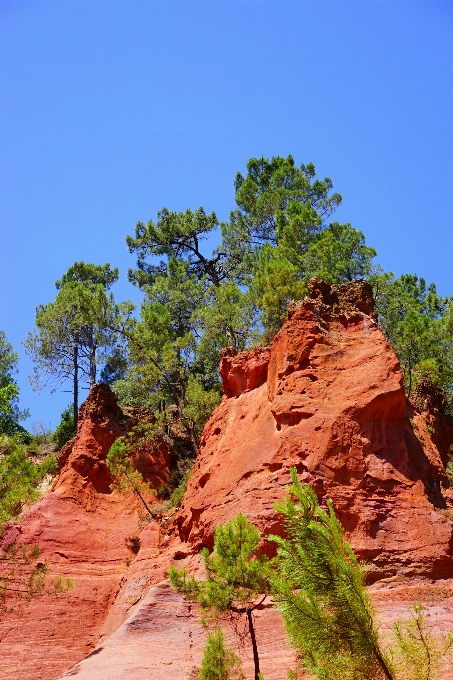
x=19, y=477
x=320, y=592
x=417, y=653
x=219, y=662
x=237, y=581
x=319, y=587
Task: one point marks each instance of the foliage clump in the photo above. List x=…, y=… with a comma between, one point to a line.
x=20, y=477
x=320, y=591
x=123, y=461
x=65, y=430
x=237, y=580
x=219, y=661
x=419, y=324
x=10, y=413
x=319, y=587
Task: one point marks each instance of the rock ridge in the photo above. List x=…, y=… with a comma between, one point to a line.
x=82, y=528
x=327, y=397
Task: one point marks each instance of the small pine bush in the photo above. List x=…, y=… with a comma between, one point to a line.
x=328, y=615
x=66, y=429
x=219, y=662
x=418, y=653
x=178, y=493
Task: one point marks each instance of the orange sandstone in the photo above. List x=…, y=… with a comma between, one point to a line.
x=327, y=397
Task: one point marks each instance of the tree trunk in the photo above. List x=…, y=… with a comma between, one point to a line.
x=142, y=500
x=231, y=337
x=383, y=665
x=92, y=361
x=254, y=647
x=76, y=385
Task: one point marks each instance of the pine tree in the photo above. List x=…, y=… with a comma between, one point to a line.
x=320, y=592
x=219, y=662
x=236, y=580
x=419, y=324
x=328, y=615
x=74, y=331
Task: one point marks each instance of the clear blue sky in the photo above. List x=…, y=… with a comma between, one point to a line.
x=112, y=110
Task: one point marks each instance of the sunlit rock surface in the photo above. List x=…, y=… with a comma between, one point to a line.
x=326, y=396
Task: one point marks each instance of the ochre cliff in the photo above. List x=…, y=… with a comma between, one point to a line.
x=325, y=396
x=82, y=529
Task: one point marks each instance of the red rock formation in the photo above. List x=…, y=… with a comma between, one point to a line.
x=81, y=528
x=163, y=639
x=331, y=403
x=325, y=396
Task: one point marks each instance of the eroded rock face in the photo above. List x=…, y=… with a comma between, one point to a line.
x=343, y=298
x=326, y=396
x=163, y=639
x=81, y=527
x=331, y=403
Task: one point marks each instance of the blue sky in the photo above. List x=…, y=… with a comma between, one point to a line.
x=112, y=110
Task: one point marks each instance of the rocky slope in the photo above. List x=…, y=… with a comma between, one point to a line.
x=81, y=528
x=325, y=396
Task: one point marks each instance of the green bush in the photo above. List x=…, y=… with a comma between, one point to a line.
x=329, y=617
x=49, y=466
x=219, y=662
x=65, y=430
x=178, y=493
x=19, y=477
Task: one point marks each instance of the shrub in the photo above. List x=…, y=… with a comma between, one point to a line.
x=66, y=429
x=219, y=662
x=18, y=479
x=49, y=466
x=328, y=615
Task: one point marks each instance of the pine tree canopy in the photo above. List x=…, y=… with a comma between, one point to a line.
x=320, y=592
x=237, y=581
